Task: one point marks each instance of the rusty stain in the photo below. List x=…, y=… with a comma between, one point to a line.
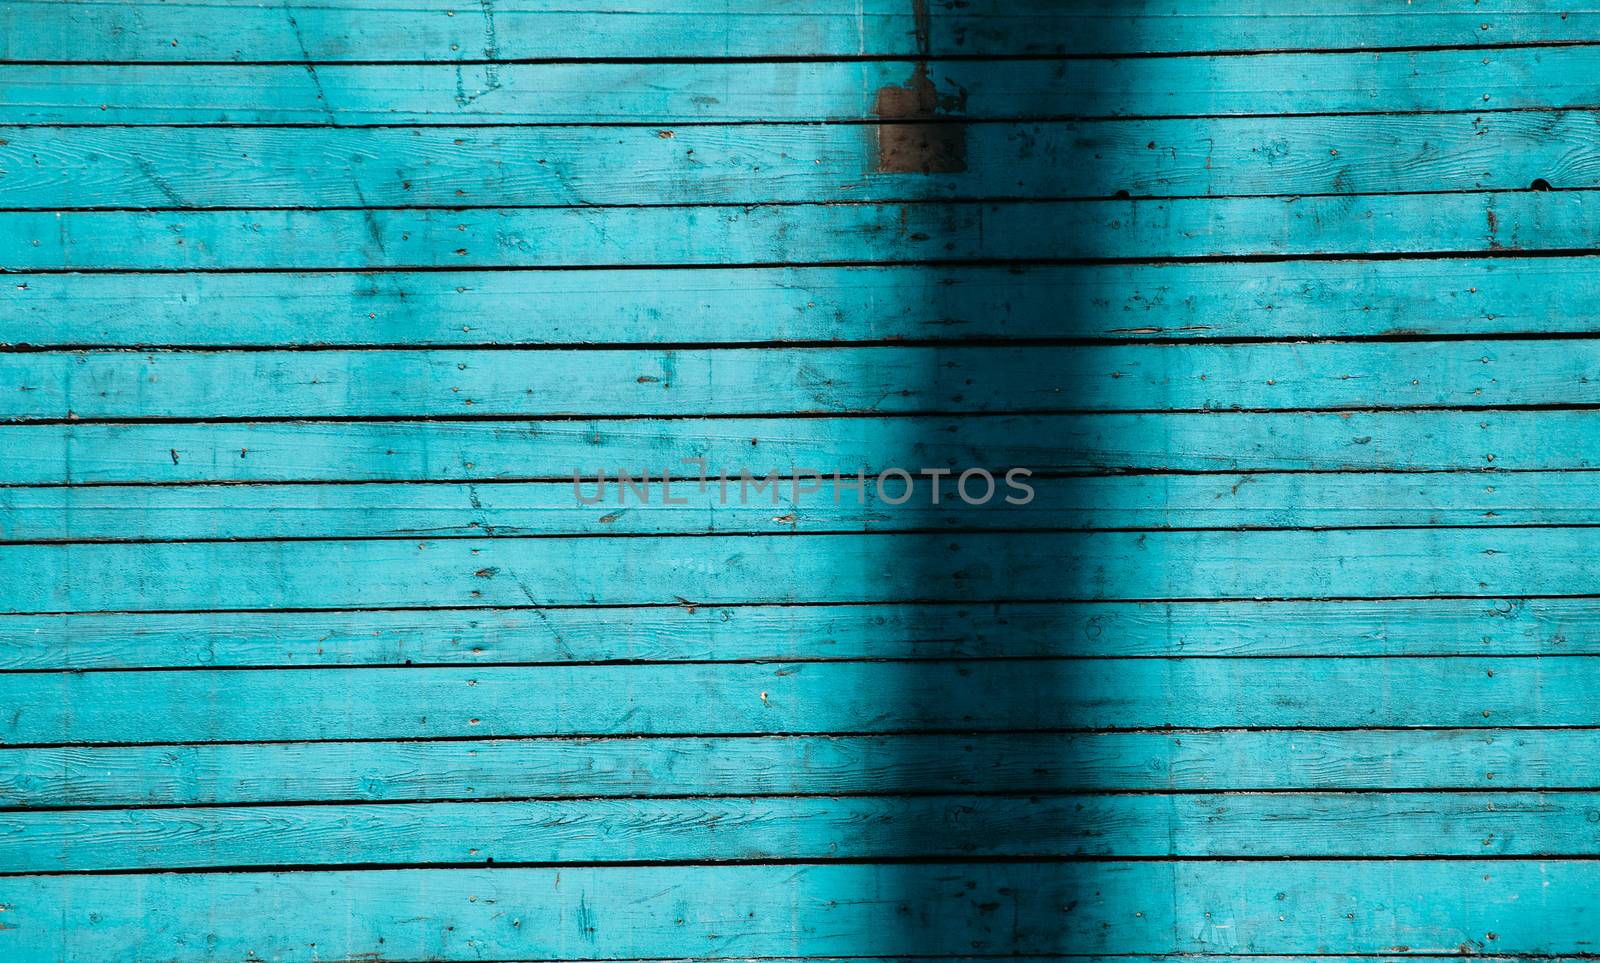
x=906, y=146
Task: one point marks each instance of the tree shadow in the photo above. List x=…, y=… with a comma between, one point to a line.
x=995, y=866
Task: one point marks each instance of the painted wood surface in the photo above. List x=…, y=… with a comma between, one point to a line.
x=532, y=93
x=150, y=513
x=820, y=829
x=809, y=633
x=453, y=914
x=709, y=305
x=523, y=29
x=527, y=912
x=142, y=30
x=308, y=651
x=737, y=699
x=743, y=569
x=189, y=774
x=50, y=454
x=643, y=236
x=512, y=166
x=856, y=765
x=879, y=379
x=338, y=94
x=197, y=167
x=1476, y=296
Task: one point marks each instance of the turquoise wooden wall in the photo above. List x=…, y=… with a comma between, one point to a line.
x=308, y=651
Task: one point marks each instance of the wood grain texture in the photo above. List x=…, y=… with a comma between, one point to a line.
x=586, y=831
x=485, y=769
x=742, y=569
x=711, y=304
x=1292, y=658
x=671, y=93
x=1351, y=906
x=729, y=381
x=527, y=29
x=810, y=828
x=593, y=913
x=1187, y=302
x=1225, y=442
x=492, y=509
x=188, y=167
x=887, y=379
x=529, y=93
x=160, y=706
x=532, y=29
x=486, y=702
x=40, y=453
x=461, y=167
x=644, y=236
x=1118, y=26
x=1499, y=627
x=549, y=237
x=202, y=774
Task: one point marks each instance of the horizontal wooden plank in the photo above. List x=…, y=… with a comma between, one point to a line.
x=669, y=93
x=1311, y=298
x=1447, y=759
x=494, y=701
x=602, y=236
x=954, y=630
x=1394, y=957
x=538, y=93
x=551, y=508
x=1042, y=958
x=550, y=237
x=1413, y=906
x=743, y=381
x=557, y=382
x=524, y=29
x=842, y=304
x=1326, y=825
x=1365, y=154
x=742, y=569
x=811, y=828
x=752, y=163
x=555, y=450
x=1151, y=26
x=537, y=29
x=600, y=830
x=477, y=509
x=488, y=702
x=634, y=306
x=464, y=167
x=528, y=29
x=1117, y=907
x=555, y=571
x=560, y=768
x=589, y=913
